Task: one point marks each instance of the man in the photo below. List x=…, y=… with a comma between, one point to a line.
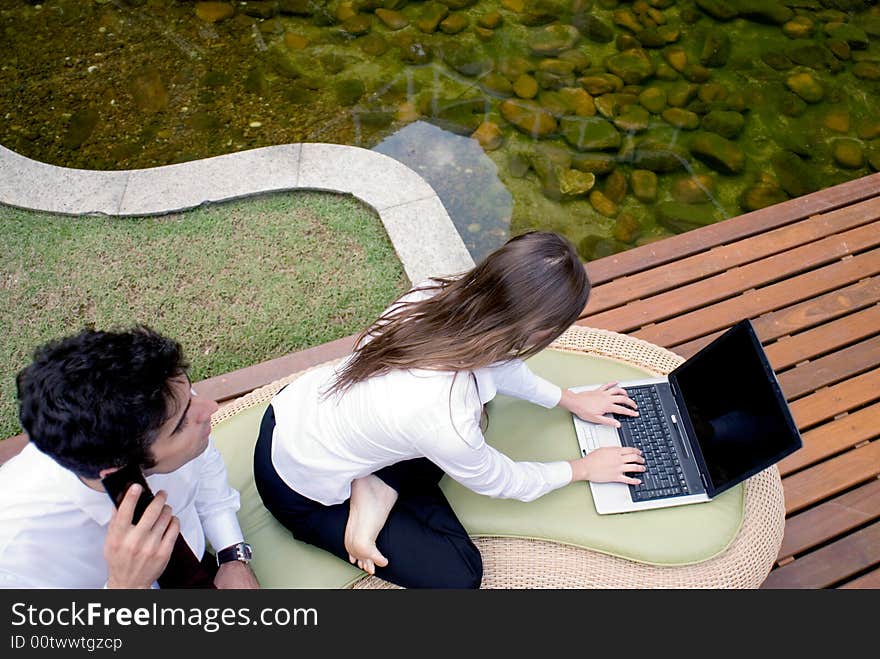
x=91, y=404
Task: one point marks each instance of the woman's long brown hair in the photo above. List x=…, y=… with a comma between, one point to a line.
x=534, y=283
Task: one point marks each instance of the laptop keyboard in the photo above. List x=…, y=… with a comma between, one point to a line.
x=650, y=433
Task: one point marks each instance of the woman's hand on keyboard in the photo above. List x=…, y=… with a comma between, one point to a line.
x=609, y=464
x=593, y=405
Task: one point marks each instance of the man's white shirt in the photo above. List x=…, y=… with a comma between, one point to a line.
x=53, y=526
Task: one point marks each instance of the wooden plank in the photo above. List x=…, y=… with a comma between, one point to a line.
x=753, y=303
x=831, y=369
x=718, y=259
x=802, y=315
x=11, y=447
x=237, y=383
x=869, y=580
x=742, y=226
x=834, y=437
x=824, y=339
x=829, y=565
x=831, y=519
x=727, y=284
x=831, y=477
x=828, y=403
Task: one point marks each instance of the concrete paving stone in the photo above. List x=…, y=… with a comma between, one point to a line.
x=377, y=179
x=425, y=239
x=187, y=185
x=34, y=185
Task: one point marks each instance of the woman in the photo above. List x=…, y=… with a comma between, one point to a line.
x=349, y=458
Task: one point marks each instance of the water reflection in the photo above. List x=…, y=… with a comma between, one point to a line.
x=465, y=179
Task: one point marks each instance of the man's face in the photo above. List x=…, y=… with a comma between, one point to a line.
x=185, y=434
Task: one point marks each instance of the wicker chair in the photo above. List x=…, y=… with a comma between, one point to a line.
x=521, y=563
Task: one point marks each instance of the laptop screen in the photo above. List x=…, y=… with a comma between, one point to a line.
x=737, y=411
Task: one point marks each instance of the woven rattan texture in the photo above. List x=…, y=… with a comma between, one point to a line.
x=521, y=563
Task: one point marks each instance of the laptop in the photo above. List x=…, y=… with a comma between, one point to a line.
x=718, y=419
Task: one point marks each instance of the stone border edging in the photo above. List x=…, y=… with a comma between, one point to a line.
x=418, y=225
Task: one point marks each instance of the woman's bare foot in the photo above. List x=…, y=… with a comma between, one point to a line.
x=371, y=501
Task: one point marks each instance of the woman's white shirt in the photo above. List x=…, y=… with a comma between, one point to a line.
x=322, y=442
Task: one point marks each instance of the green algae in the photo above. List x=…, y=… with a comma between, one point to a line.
x=739, y=91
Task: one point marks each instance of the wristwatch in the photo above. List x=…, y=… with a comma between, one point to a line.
x=241, y=551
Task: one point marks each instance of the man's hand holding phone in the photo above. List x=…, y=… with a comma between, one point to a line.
x=137, y=554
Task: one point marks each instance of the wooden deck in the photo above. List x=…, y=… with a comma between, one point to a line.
x=807, y=272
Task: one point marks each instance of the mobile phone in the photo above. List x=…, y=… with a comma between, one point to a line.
x=119, y=481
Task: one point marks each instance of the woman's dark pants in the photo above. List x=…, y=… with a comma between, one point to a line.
x=425, y=544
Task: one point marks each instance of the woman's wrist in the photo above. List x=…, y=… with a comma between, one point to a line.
x=565, y=399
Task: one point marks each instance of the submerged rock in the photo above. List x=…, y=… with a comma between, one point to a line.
x=525, y=86
x=848, y=153
x=644, y=185
x=596, y=247
x=715, y=49
x=590, y=133
x=681, y=118
x=148, y=90
x=855, y=37
x=549, y=162
x=658, y=156
x=595, y=163
x=615, y=186
x=717, y=152
x=393, y=20
x=579, y=101
x=794, y=176
x=592, y=27
x=763, y=11
x=603, y=204
x=469, y=58
x=695, y=189
x=432, y=14
x=573, y=182
x=806, y=86
x=720, y=9
x=552, y=39
x=213, y=12
x=653, y=99
x=454, y=23
x=80, y=128
x=678, y=217
x=602, y=83
x=761, y=195
x=489, y=135
x=724, y=122
x=631, y=66
x=633, y=119
x=528, y=117
x=626, y=228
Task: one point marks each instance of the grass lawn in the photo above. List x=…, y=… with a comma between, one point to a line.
x=236, y=283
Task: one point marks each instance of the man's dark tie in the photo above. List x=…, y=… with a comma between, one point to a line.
x=184, y=570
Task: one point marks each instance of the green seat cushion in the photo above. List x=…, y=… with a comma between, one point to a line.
x=671, y=536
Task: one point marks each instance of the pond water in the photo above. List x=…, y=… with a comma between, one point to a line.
x=615, y=123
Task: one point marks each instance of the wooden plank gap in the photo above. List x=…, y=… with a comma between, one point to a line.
x=862, y=443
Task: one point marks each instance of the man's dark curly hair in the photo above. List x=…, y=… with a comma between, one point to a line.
x=97, y=399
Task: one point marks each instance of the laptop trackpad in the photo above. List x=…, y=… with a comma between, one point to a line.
x=604, y=435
